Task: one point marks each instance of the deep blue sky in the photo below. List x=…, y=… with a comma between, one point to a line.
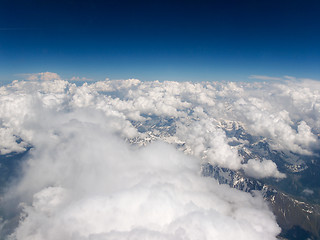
x=164, y=40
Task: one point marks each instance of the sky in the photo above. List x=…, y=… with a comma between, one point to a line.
x=160, y=40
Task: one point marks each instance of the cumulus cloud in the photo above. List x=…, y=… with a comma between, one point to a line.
x=207, y=142
x=83, y=182
x=75, y=79
x=43, y=76
x=9, y=142
x=263, y=120
x=80, y=172
x=263, y=77
x=260, y=169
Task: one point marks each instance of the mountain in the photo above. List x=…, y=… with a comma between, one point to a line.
x=294, y=200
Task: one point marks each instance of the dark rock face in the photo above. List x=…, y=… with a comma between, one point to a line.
x=297, y=219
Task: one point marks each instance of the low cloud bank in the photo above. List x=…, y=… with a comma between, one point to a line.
x=284, y=113
x=81, y=181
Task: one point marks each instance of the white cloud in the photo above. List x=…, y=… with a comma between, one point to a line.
x=284, y=78
x=290, y=78
x=9, y=142
x=85, y=183
x=207, y=142
x=44, y=76
x=308, y=79
x=263, y=77
x=79, y=162
x=263, y=120
x=81, y=181
x=261, y=169
x=75, y=79
x=308, y=191
x=272, y=110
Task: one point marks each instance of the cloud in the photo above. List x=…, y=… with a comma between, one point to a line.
x=284, y=78
x=81, y=169
x=270, y=110
x=84, y=79
x=43, y=76
x=308, y=191
x=261, y=169
x=290, y=78
x=262, y=77
x=207, y=142
x=308, y=79
x=264, y=120
x=10, y=143
x=81, y=181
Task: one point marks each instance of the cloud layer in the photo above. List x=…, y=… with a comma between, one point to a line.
x=286, y=114
x=85, y=183
x=81, y=181
x=43, y=76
